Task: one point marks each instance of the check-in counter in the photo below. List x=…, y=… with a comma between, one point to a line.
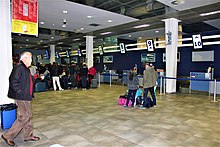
x=200, y=81
x=107, y=74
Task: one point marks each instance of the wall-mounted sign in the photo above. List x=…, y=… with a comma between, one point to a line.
x=168, y=37
x=25, y=17
x=197, y=41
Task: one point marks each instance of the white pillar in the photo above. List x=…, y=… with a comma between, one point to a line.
x=52, y=54
x=6, y=50
x=171, y=32
x=89, y=51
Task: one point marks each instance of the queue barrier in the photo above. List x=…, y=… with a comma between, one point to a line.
x=162, y=80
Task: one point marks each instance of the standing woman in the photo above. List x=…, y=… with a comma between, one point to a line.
x=84, y=76
x=132, y=87
x=149, y=81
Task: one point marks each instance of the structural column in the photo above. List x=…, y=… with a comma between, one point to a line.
x=52, y=54
x=6, y=50
x=89, y=51
x=171, y=32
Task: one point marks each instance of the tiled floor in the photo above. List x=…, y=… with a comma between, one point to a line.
x=92, y=118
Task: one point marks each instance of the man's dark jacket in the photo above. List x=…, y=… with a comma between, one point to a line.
x=19, y=83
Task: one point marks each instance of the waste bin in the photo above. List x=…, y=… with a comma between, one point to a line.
x=8, y=115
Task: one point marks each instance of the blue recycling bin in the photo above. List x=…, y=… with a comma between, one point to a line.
x=8, y=115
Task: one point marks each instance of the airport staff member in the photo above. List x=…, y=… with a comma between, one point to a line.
x=21, y=89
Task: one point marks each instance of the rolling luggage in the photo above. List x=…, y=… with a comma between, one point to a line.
x=94, y=83
x=40, y=87
x=8, y=115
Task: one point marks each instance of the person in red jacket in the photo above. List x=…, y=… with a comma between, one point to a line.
x=21, y=89
x=91, y=74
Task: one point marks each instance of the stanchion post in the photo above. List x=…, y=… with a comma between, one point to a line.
x=99, y=79
x=161, y=80
x=110, y=77
x=215, y=84
x=164, y=85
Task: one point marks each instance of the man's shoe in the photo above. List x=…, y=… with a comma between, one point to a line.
x=9, y=142
x=33, y=138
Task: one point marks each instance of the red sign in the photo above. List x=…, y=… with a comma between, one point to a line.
x=25, y=16
x=25, y=10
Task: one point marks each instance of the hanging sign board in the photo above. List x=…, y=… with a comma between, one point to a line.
x=150, y=45
x=25, y=17
x=197, y=41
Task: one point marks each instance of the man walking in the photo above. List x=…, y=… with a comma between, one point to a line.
x=21, y=89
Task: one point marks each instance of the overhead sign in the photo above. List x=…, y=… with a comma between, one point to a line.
x=25, y=17
x=150, y=45
x=197, y=41
x=100, y=48
x=122, y=48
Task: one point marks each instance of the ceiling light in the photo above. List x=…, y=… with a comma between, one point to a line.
x=53, y=24
x=64, y=11
x=141, y=26
x=41, y=40
x=42, y=22
x=51, y=37
x=89, y=16
x=26, y=45
x=27, y=39
x=69, y=47
x=109, y=20
x=60, y=43
x=140, y=37
x=63, y=25
x=105, y=33
x=129, y=35
x=20, y=46
x=209, y=13
x=156, y=31
x=177, y=2
x=76, y=39
x=81, y=29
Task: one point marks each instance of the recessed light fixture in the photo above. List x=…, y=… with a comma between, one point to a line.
x=65, y=12
x=81, y=29
x=210, y=13
x=156, y=31
x=51, y=37
x=27, y=39
x=129, y=35
x=42, y=22
x=141, y=26
x=89, y=16
x=26, y=45
x=177, y=2
x=41, y=40
x=109, y=20
x=105, y=33
x=63, y=25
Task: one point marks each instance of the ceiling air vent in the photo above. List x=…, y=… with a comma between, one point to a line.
x=94, y=24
